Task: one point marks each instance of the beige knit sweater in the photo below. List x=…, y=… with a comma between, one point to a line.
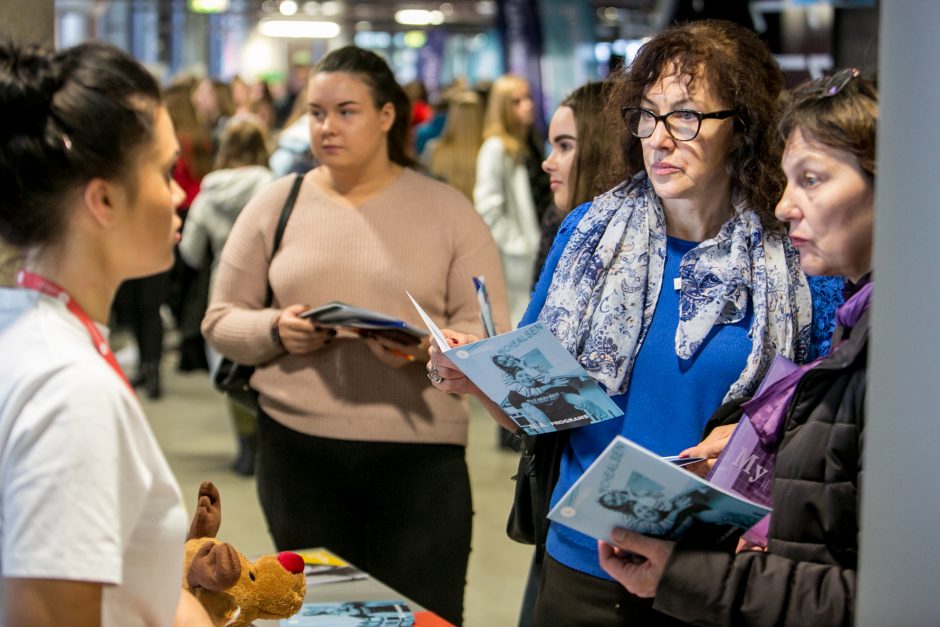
x=417, y=235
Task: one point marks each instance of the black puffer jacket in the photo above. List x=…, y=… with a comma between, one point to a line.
x=807, y=576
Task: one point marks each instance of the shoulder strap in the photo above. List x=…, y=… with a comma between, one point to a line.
x=281, y=225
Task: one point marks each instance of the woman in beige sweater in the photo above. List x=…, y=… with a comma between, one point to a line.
x=356, y=451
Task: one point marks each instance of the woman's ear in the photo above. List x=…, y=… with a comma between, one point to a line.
x=100, y=199
x=387, y=114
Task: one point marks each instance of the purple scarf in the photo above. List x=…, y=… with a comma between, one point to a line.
x=768, y=408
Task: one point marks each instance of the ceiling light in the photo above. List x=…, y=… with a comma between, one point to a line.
x=208, y=6
x=287, y=7
x=418, y=17
x=299, y=29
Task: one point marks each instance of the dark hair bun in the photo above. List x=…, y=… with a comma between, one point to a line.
x=28, y=81
x=68, y=117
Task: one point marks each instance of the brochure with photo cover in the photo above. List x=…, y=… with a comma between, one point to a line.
x=633, y=488
x=352, y=614
x=322, y=566
x=341, y=314
x=532, y=377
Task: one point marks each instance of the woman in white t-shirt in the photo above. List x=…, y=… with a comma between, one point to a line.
x=91, y=521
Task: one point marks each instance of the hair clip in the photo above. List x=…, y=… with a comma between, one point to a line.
x=67, y=142
x=837, y=82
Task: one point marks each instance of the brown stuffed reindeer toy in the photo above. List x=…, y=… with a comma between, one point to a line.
x=233, y=590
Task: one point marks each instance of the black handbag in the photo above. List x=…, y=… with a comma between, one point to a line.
x=234, y=379
x=535, y=480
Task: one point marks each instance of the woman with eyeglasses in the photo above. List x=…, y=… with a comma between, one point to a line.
x=674, y=290
x=807, y=575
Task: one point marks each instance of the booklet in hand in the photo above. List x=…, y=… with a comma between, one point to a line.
x=343, y=315
x=531, y=376
x=633, y=488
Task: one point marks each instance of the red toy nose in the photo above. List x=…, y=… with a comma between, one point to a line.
x=291, y=562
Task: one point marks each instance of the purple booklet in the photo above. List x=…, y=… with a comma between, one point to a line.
x=746, y=465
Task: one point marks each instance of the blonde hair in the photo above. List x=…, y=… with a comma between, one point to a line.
x=501, y=121
x=453, y=159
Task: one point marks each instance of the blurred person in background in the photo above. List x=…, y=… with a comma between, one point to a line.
x=291, y=152
x=241, y=171
x=214, y=106
x=241, y=96
x=452, y=157
x=418, y=96
x=431, y=128
x=138, y=301
x=262, y=105
x=503, y=193
x=188, y=294
x=355, y=450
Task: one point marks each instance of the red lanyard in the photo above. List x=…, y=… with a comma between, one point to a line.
x=31, y=281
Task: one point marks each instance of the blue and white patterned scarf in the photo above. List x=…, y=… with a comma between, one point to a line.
x=608, y=279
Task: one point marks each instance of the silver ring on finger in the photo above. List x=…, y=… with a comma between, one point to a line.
x=434, y=375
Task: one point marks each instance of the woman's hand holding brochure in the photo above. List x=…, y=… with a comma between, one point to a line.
x=709, y=449
x=635, y=560
x=452, y=379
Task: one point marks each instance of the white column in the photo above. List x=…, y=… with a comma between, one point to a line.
x=899, y=577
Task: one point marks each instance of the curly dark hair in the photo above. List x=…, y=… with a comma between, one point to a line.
x=743, y=75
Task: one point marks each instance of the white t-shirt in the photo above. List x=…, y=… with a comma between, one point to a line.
x=85, y=492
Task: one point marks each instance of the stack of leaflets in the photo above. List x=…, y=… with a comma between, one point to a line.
x=633, y=488
x=353, y=614
x=343, y=315
x=531, y=376
x=322, y=566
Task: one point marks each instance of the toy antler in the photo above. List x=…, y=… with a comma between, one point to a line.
x=215, y=567
x=208, y=515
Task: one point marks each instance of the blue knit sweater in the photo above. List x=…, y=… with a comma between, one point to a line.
x=669, y=399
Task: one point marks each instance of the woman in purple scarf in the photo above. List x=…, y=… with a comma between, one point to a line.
x=807, y=575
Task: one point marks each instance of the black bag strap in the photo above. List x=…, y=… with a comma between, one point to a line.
x=281, y=225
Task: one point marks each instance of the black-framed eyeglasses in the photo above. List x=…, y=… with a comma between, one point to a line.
x=837, y=82
x=682, y=124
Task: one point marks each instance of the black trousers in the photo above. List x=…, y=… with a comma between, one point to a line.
x=401, y=512
x=137, y=306
x=570, y=598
